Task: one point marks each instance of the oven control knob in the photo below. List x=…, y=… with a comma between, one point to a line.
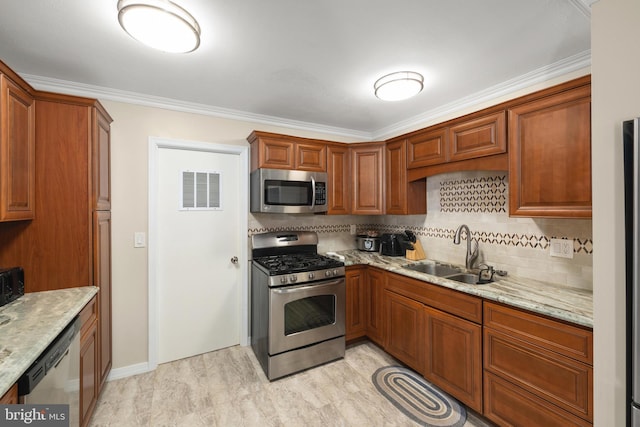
x=327, y=273
x=335, y=272
x=283, y=279
x=294, y=278
x=311, y=276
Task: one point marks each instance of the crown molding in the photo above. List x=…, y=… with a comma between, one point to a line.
x=583, y=6
x=557, y=69
x=104, y=93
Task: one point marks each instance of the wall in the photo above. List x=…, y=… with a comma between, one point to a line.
x=615, y=35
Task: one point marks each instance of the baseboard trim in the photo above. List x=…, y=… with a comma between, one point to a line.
x=129, y=371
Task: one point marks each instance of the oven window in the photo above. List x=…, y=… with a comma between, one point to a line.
x=309, y=313
x=287, y=193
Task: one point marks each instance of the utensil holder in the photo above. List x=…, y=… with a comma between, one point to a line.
x=417, y=253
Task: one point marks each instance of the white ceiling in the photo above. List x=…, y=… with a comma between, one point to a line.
x=301, y=63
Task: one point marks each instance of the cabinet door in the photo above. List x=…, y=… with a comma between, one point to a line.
x=339, y=177
x=550, y=156
x=311, y=156
x=427, y=148
x=402, y=197
x=17, y=152
x=453, y=356
x=88, y=372
x=404, y=330
x=367, y=168
x=355, y=307
x=101, y=159
x=10, y=397
x=478, y=137
x=375, y=309
x=102, y=279
x=274, y=153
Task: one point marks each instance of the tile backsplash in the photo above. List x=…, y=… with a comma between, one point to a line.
x=479, y=200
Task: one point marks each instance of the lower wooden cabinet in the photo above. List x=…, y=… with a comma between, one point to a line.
x=89, y=368
x=10, y=397
x=375, y=314
x=537, y=356
x=453, y=356
x=356, y=326
x=404, y=325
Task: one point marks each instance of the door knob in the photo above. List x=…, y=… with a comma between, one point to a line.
x=234, y=260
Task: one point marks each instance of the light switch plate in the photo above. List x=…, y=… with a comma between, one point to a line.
x=562, y=248
x=139, y=239
x=353, y=229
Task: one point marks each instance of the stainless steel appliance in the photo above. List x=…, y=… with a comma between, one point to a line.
x=631, y=140
x=297, y=303
x=288, y=191
x=54, y=378
x=11, y=284
x=367, y=243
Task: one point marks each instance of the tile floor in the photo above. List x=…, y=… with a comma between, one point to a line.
x=227, y=388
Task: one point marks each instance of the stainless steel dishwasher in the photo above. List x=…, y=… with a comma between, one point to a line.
x=54, y=378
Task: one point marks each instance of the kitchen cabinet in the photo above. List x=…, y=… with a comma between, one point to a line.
x=102, y=279
x=404, y=324
x=275, y=151
x=17, y=149
x=374, y=300
x=355, y=311
x=339, y=179
x=10, y=397
x=89, y=370
x=478, y=137
x=453, y=356
x=550, y=153
x=367, y=170
x=427, y=147
x=402, y=197
x=536, y=365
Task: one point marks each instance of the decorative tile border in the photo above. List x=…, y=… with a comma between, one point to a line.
x=335, y=228
x=486, y=194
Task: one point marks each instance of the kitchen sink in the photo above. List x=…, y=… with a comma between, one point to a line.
x=436, y=269
x=469, y=278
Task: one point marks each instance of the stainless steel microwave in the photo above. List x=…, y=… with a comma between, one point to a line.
x=288, y=191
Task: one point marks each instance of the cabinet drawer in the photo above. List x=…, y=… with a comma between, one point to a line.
x=479, y=137
x=551, y=376
x=510, y=405
x=10, y=397
x=88, y=315
x=569, y=340
x=450, y=301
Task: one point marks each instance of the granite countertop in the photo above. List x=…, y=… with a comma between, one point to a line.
x=564, y=303
x=30, y=323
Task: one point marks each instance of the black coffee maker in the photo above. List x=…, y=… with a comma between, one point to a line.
x=394, y=244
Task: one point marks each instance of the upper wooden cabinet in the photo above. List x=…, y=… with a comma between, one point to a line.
x=17, y=151
x=275, y=151
x=550, y=154
x=402, y=197
x=367, y=169
x=101, y=158
x=339, y=179
x=478, y=137
x=427, y=148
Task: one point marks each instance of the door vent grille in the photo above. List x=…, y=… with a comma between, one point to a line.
x=201, y=190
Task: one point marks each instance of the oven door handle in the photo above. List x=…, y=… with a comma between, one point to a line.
x=290, y=289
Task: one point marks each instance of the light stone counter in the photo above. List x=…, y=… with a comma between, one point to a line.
x=30, y=323
x=569, y=304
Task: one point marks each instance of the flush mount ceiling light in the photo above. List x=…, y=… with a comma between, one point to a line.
x=160, y=24
x=398, y=86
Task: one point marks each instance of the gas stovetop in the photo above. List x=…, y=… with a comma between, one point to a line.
x=290, y=257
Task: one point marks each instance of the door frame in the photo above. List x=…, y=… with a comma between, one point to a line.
x=155, y=145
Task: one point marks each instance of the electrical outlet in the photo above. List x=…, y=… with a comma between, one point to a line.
x=139, y=239
x=352, y=229
x=562, y=248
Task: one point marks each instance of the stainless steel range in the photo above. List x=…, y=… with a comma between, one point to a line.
x=297, y=303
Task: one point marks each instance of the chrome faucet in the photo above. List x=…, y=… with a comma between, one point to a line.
x=472, y=255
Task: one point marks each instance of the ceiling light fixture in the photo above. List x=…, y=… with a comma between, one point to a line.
x=398, y=86
x=160, y=24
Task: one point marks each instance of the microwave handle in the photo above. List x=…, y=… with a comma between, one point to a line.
x=313, y=193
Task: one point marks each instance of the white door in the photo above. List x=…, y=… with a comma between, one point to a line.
x=197, y=272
